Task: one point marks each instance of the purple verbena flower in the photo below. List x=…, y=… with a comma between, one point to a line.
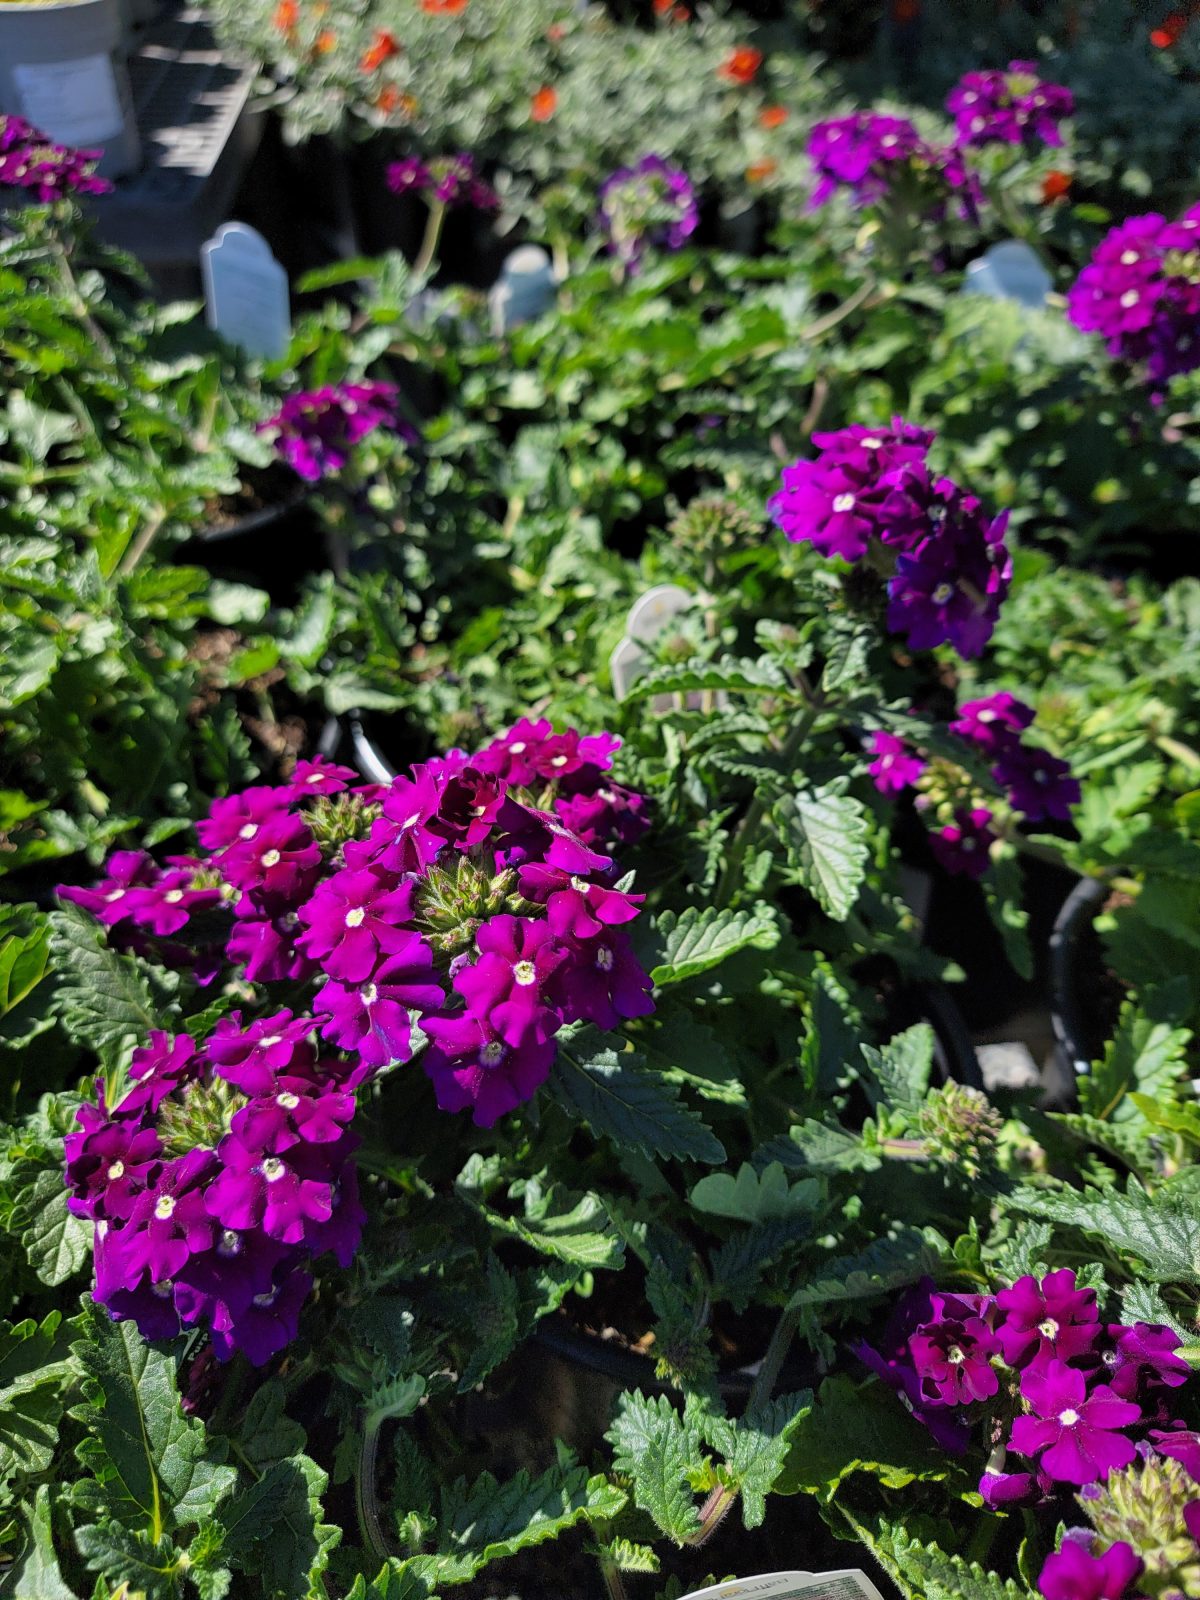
x=963, y=846
x=281, y=1193
x=353, y=920
x=1074, y=1573
x=855, y=153
x=1047, y=1320
x=1039, y=784
x=1075, y=1433
x=315, y=432
x=652, y=203
x=1013, y=107
x=252, y=1058
x=895, y=767
x=372, y=1017
x=952, y=1355
x=472, y=1068
x=1143, y=1358
x=30, y=159
x=993, y=723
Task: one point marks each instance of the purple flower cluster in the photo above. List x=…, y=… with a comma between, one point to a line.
x=872, y=156
x=450, y=180
x=217, y=1180
x=474, y=895
x=1040, y=785
x=1036, y=1367
x=870, y=496
x=652, y=203
x=1141, y=293
x=31, y=160
x=316, y=432
x=1013, y=107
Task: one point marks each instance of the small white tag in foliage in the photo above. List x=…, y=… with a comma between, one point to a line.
x=848, y=1585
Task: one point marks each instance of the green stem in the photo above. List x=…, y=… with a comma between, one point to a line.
x=748, y=828
x=366, y=1502
x=614, y=1585
x=429, y=244
x=847, y=308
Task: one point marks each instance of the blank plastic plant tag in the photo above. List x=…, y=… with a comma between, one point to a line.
x=656, y=609
x=850, y=1584
x=1010, y=270
x=246, y=291
x=626, y=665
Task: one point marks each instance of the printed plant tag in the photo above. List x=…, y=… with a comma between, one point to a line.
x=848, y=1585
x=246, y=291
x=75, y=102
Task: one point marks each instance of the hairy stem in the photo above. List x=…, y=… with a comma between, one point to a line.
x=366, y=1502
x=429, y=244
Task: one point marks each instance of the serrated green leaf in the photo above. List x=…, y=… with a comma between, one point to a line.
x=880, y=1268
x=1143, y=1054
x=659, y=1453
x=900, y=1068
x=1159, y=1234
x=619, y=1098
x=57, y=1243
x=273, y=1530
x=755, y=1447
x=572, y=1228
x=156, y=1468
x=756, y=1196
x=826, y=830
x=35, y=1575
x=266, y=1433
x=812, y=1146
x=128, y=1558
x=738, y=1266
x=930, y=1572
x=854, y=1429
x=734, y=676
x=497, y=1325
x=33, y=1372
x=702, y=937
x=489, y=1520
x=102, y=998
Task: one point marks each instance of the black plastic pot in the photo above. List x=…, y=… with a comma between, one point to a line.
x=1074, y=959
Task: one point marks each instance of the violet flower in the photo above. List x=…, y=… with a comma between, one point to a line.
x=472, y=1068
x=372, y=1018
x=962, y=846
x=1047, y=1320
x=952, y=1356
x=1073, y=1573
x=1076, y=1434
x=652, y=203
x=253, y=1058
x=1039, y=785
x=1013, y=107
x=1143, y=1358
x=30, y=159
x=353, y=920
x=895, y=767
x=994, y=723
x=315, y=432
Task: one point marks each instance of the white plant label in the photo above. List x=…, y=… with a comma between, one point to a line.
x=246, y=291
x=848, y=1585
x=75, y=102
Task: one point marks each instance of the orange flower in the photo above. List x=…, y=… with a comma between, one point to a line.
x=325, y=42
x=382, y=48
x=544, y=104
x=1055, y=186
x=387, y=99
x=1172, y=27
x=443, y=8
x=773, y=116
x=672, y=10
x=760, y=171
x=741, y=65
x=556, y=32
x=287, y=15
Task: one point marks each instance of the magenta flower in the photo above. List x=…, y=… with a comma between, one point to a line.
x=268, y=1323
x=609, y=816
x=238, y=817
x=508, y=982
x=895, y=767
x=372, y=1018
x=847, y=495
x=994, y=723
x=1047, y=1321
x=167, y=1223
x=1039, y=784
x=962, y=846
x=277, y=866
x=253, y=1058
x=108, y=1164
x=856, y=152
x=952, y=1355
x=1001, y=1490
x=316, y=433
x=353, y=920
x=159, y=1068
x=451, y=180
x=282, y=1194
x=319, y=776
x=1013, y=107
x=576, y=908
x=949, y=589
x=29, y=159
x=1141, y=293
x=297, y=1112
x=1181, y=1445
x=514, y=756
x=1075, y=1574
x=894, y=1364
x=1076, y=1434
x=109, y=901
x=1143, y=1358
x=605, y=983
x=267, y=948
x=471, y=1067
x=650, y=204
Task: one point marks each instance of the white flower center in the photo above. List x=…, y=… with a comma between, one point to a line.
x=272, y=858
x=273, y=1169
x=287, y=1100
x=888, y=140
x=1128, y=257
x=355, y=918
x=525, y=973
x=558, y=761
x=411, y=822
x=943, y=593
x=519, y=748
x=369, y=993
x=492, y=1053
x=173, y=896
x=604, y=958
x=271, y=1039
x=117, y=894
x=844, y=502
x=872, y=444
x=248, y=832
x=115, y=1171
x=264, y=1301
x=580, y=885
x=606, y=795
x=162, y=1289
x=230, y=1243
x=1048, y=1329
x=1130, y=298
x=1068, y=1418
x=164, y=1207
x=955, y=1355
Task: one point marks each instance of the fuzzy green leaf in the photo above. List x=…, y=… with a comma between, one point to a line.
x=102, y=998
x=152, y=1568
x=827, y=832
x=35, y=1573
x=154, y=1469
x=1143, y=1054
x=1159, y=1234
x=57, y=1243
x=878, y=1269
x=755, y=1448
x=32, y=1375
x=621, y=1099
x=273, y=1530
x=755, y=1196
x=853, y=1429
x=734, y=676
x=489, y=1521
x=659, y=1452
x=900, y=1069
x=701, y=937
